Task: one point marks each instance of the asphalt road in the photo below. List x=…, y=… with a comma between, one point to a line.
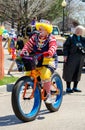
x=71, y=115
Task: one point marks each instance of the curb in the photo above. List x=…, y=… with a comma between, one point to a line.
x=9, y=87
x=6, y=88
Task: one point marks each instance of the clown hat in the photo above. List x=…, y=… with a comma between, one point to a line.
x=45, y=24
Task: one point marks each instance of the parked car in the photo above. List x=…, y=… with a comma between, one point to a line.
x=60, y=40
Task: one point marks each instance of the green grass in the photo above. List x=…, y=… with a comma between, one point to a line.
x=8, y=80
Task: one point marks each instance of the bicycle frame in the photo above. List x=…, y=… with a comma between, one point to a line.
x=34, y=74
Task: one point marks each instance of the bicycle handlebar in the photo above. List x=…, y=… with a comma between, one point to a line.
x=32, y=56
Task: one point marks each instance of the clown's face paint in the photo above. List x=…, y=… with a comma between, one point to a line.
x=43, y=32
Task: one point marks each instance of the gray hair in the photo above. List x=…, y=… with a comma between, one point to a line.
x=81, y=29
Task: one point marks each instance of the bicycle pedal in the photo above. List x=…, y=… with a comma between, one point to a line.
x=53, y=92
x=26, y=98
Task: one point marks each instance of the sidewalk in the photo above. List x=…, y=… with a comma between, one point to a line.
x=7, y=63
x=8, y=87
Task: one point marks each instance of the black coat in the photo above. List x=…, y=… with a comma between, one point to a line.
x=73, y=67
x=19, y=44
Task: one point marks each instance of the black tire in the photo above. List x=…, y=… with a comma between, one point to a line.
x=55, y=105
x=32, y=108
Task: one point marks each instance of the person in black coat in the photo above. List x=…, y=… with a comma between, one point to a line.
x=74, y=53
x=20, y=43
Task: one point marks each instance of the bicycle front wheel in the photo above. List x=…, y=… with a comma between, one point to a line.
x=25, y=108
x=56, y=97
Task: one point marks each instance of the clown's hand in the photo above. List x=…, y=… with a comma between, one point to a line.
x=46, y=54
x=24, y=53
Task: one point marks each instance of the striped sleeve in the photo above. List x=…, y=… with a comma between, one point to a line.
x=29, y=45
x=52, y=46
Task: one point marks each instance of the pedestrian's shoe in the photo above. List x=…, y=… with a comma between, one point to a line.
x=69, y=90
x=48, y=100
x=76, y=90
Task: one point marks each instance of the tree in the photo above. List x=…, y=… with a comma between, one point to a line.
x=22, y=11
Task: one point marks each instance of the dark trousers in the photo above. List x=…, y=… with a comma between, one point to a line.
x=68, y=84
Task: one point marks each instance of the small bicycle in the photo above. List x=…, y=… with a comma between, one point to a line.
x=28, y=92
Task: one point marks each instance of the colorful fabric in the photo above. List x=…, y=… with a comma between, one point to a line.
x=45, y=73
x=46, y=65
x=49, y=46
x=31, y=43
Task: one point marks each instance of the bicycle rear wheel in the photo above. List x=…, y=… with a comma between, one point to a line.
x=56, y=98
x=25, y=109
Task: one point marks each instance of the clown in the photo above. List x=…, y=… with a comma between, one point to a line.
x=43, y=43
